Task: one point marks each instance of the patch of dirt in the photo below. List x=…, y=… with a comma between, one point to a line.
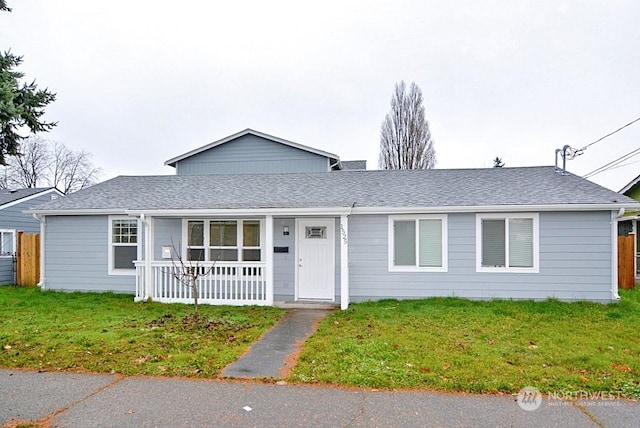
x=196, y=322
x=158, y=322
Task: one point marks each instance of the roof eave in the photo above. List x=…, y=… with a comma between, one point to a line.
x=340, y=210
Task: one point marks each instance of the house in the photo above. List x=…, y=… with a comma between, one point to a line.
x=630, y=221
x=13, y=220
x=271, y=220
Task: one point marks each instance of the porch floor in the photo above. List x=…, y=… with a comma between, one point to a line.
x=275, y=353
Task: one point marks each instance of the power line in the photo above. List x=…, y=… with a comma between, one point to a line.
x=622, y=165
x=610, y=134
x=613, y=163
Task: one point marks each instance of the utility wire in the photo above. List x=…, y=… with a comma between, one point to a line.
x=622, y=165
x=613, y=163
x=610, y=134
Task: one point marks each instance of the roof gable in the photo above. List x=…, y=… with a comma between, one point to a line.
x=12, y=197
x=625, y=190
x=173, y=161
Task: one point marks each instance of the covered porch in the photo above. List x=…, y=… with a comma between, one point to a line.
x=248, y=268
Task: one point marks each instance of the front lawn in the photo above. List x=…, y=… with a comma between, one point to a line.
x=497, y=346
x=110, y=333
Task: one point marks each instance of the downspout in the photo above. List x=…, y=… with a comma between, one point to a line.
x=43, y=230
x=614, y=253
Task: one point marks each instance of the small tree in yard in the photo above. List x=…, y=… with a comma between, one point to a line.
x=187, y=272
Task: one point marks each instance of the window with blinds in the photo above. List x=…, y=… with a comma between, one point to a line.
x=417, y=243
x=507, y=242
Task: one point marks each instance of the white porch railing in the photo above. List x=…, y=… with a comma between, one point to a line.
x=219, y=284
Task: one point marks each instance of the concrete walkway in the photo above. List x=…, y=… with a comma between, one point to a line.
x=273, y=355
x=85, y=400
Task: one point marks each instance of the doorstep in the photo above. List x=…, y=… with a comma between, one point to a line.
x=307, y=304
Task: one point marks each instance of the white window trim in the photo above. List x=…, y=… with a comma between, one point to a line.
x=445, y=243
x=239, y=240
x=506, y=217
x=15, y=243
x=112, y=270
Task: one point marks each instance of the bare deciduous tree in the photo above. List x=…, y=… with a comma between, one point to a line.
x=30, y=167
x=71, y=171
x=405, y=138
x=42, y=162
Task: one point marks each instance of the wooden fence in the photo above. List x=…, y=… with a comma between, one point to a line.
x=626, y=261
x=28, y=259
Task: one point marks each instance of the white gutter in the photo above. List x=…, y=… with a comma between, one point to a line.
x=244, y=212
x=340, y=210
x=491, y=208
x=43, y=230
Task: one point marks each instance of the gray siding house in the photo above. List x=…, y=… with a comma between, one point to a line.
x=267, y=220
x=13, y=220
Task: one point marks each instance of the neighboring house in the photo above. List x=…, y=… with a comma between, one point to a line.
x=284, y=222
x=13, y=220
x=631, y=221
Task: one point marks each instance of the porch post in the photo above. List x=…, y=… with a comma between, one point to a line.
x=148, y=257
x=269, y=258
x=344, y=262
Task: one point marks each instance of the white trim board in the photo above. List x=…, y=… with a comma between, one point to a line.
x=337, y=211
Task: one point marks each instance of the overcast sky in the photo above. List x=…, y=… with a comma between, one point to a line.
x=139, y=82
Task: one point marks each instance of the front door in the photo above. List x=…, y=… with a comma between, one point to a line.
x=315, y=258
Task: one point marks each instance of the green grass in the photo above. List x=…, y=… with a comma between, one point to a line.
x=487, y=347
x=110, y=333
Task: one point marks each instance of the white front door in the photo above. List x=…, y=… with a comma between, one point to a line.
x=315, y=249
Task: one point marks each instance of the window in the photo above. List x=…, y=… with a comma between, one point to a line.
x=507, y=243
x=123, y=248
x=7, y=243
x=418, y=243
x=224, y=240
x=316, y=232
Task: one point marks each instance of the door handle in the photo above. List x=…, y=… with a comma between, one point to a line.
x=300, y=263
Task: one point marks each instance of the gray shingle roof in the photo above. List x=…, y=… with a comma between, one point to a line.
x=426, y=188
x=8, y=195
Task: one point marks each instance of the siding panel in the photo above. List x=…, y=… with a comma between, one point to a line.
x=76, y=249
x=251, y=154
x=6, y=271
x=284, y=263
x=13, y=217
x=575, y=262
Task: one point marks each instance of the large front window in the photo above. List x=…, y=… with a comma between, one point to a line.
x=507, y=242
x=123, y=244
x=224, y=240
x=418, y=243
